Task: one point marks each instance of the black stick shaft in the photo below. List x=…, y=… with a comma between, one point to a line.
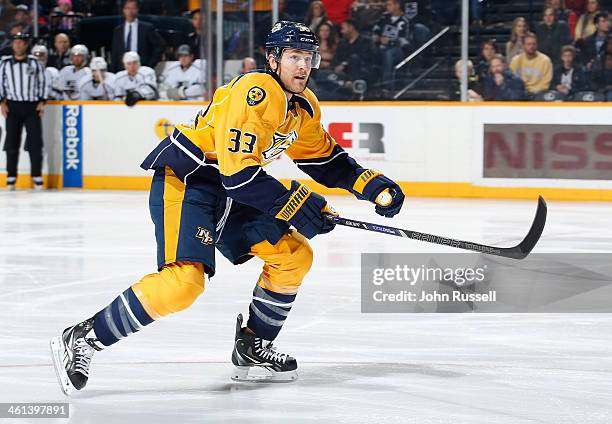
x=429, y=238
x=519, y=251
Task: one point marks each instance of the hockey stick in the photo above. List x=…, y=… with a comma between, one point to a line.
x=519, y=251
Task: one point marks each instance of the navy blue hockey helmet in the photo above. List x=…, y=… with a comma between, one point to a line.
x=293, y=35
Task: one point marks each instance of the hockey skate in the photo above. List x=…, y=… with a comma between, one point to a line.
x=72, y=353
x=252, y=353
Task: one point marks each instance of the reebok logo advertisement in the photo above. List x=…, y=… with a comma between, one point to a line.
x=72, y=151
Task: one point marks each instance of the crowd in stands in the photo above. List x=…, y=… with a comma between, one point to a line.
x=568, y=56
x=565, y=55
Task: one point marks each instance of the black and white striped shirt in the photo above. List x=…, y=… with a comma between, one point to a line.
x=22, y=80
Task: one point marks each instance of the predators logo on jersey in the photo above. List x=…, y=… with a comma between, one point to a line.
x=255, y=96
x=204, y=235
x=280, y=143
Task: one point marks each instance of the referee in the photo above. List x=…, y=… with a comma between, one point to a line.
x=23, y=92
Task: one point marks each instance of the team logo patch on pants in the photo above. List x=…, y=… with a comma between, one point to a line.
x=204, y=235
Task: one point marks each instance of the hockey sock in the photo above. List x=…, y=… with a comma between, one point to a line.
x=268, y=311
x=122, y=317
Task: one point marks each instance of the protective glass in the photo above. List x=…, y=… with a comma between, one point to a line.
x=312, y=62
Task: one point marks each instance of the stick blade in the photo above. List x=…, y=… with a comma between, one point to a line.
x=531, y=239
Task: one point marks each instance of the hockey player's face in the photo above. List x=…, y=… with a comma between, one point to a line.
x=132, y=67
x=186, y=60
x=295, y=69
x=77, y=60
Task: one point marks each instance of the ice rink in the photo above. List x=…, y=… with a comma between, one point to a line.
x=64, y=255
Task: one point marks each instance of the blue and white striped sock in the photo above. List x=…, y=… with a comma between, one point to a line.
x=268, y=311
x=122, y=317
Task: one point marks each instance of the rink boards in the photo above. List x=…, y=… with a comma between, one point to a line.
x=491, y=150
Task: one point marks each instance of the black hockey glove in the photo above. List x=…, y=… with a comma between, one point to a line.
x=305, y=210
x=380, y=190
x=132, y=97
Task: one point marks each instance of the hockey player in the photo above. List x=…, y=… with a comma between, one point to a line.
x=51, y=74
x=100, y=85
x=184, y=80
x=71, y=75
x=210, y=191
x=136, y=82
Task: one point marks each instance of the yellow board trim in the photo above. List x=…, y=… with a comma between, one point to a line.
x=411, y=189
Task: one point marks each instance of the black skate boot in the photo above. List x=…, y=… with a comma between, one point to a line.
x=72, y=353
x=251, y=352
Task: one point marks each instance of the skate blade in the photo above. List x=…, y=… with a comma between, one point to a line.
x=57, y=351
x=244, y=375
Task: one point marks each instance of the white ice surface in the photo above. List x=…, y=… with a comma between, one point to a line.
x=64, y=255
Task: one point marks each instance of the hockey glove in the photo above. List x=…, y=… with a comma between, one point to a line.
x=304, y=210
x=378, y=189
x=132, y=97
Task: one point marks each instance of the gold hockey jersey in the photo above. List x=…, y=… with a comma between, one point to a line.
x=247, y=125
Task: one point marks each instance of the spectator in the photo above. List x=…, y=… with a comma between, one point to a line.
x=136, y=36
x=602, y=71
x=136, y=82
x=500, y=84
x=354, y=52
x=328, y=41
x=61, y=57
x=586, y=23
x=6, y=47
x=558, y=7
x=316, y=15
x=569, y=78
x=100, y=84
x=390, y=36
x=69, y=76
x=248, y=65
x=194, y=37
x=488, y=49
x=365, y=13
x=473, y=85
x=22, y=15
x=552, y=35
x=7, y=14
x=54, y=91
x=592, y=46
x=184, y=80
x=63, y=18
x=338, y=10
x=533, y=67
x=514, y=46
